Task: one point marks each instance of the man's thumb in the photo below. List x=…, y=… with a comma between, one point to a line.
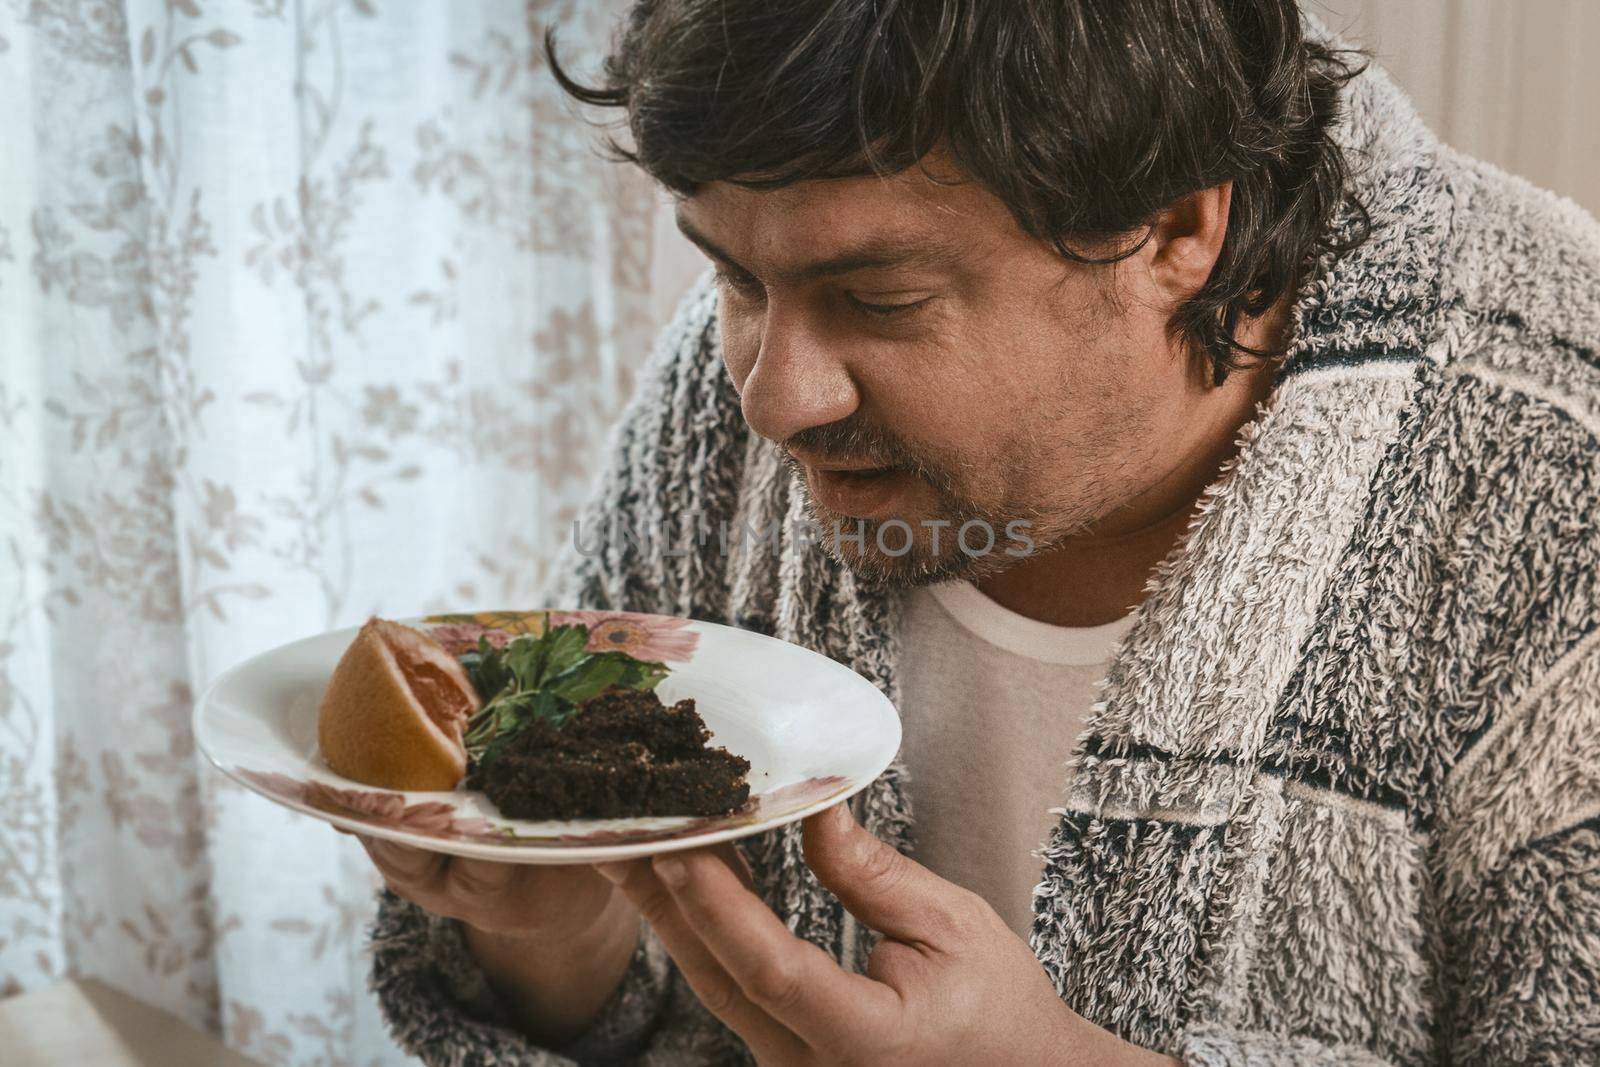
x=888, y=892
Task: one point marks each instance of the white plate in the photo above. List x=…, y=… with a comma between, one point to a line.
x=814, y=731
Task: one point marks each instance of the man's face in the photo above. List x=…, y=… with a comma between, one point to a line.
x=916, y=356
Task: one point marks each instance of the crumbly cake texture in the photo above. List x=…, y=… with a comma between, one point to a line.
x=624, y=754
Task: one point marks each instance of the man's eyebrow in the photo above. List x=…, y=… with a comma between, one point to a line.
x=875, y=252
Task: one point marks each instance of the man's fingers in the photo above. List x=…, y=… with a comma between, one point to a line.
x=890, y=893
x=407, y=870
x=736, y=863
x=714, y=987
x=478, y=881
x=791, y=979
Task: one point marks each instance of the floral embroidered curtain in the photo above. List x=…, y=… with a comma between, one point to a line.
x=309, y=309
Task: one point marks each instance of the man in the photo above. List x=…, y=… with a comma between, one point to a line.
x=1299, y=410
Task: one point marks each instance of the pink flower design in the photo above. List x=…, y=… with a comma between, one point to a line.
x=274, y=784
x=381, y=808
x=480, y=829
x=459, y=637
x=438, y=819
x=656, y=637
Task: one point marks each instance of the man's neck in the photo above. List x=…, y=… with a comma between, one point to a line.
x=1099, y=576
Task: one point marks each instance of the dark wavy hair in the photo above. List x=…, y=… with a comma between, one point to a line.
x=1085, y=117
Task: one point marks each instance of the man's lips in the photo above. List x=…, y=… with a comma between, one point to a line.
x=858, y=489
x=857, y=492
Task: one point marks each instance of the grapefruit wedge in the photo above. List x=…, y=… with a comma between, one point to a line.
x=395, y=709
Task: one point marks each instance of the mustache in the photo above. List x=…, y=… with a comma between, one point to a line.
x=852, y=438
x=855, y=439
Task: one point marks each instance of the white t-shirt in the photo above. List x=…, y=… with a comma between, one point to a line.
x=992, y=704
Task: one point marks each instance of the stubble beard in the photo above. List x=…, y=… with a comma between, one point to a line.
x=934, y=555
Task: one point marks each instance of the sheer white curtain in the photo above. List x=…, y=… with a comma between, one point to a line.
x=308, y=309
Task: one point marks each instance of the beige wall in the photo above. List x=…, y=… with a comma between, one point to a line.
x=1515, y=82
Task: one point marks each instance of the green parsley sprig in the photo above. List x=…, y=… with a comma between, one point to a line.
x=542, y=677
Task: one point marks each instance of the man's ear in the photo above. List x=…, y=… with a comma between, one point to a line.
x=1186, y=239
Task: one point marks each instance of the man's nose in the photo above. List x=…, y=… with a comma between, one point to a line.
x=799, y=379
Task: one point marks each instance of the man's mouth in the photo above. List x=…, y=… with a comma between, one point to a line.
x=855, y=489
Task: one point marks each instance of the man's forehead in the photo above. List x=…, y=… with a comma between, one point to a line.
x=831, y=226
x=908, y=196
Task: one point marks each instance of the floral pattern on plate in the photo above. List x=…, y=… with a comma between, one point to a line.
x=381, y=808
x=652, y=637
x=459, y=632
x=442, y=819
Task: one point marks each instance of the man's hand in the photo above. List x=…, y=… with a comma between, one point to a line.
x=554, y=942
x=949, y=984
x=542, y=906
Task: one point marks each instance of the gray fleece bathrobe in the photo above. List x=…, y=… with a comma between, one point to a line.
x=1340, y=800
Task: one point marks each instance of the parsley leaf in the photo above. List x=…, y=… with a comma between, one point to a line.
x=542, y=677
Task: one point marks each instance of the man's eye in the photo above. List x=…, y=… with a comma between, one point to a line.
x=743, y=284
x=885, y=311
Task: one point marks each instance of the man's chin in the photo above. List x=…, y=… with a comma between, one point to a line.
x=879, y=569
x=900, y=553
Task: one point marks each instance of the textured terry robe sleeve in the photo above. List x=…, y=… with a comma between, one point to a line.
x=437, y=1002
x=1217, y=1046
x=1519, y=876
x=440, y=1007
x=1516, y=873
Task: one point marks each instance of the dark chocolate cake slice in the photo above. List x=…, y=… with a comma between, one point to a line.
x=624, y=754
